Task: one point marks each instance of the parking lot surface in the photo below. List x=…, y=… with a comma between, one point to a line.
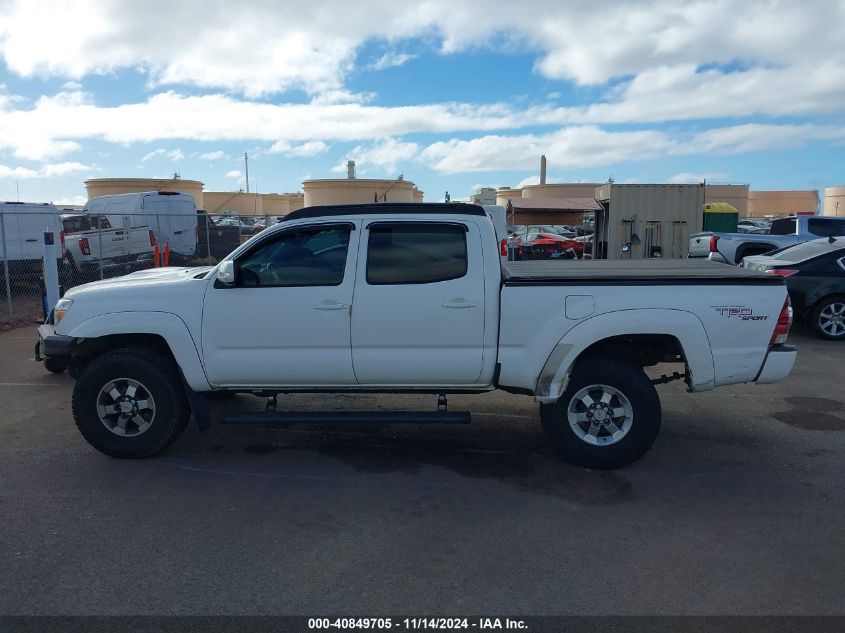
x=737, y=509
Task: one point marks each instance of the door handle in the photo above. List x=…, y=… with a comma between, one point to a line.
x=459, y=303
x=330, y=305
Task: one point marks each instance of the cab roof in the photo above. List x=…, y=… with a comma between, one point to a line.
x=383, y=208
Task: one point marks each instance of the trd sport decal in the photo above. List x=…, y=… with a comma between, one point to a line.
x=739, y=312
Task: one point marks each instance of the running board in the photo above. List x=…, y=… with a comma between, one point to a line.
x=353, y=417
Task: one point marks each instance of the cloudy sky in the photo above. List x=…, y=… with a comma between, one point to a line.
x=451, y=94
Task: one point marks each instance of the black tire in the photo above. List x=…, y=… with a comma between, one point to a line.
x=158, y=375
x=55, y=365
x=816, y=318
x=630, y=381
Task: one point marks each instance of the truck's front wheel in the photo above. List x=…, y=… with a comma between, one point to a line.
x=130, y=403
x=608, y=416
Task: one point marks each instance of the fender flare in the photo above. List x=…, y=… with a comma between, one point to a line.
x=684, y=326
x=165, y=324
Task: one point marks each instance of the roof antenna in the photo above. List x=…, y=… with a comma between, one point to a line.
x=831, y=240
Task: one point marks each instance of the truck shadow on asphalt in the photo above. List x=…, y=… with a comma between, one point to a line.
x=524, y=464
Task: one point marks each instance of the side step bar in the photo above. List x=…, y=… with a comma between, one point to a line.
x=356, y=417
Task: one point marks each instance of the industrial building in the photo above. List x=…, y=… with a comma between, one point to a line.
x=214, y=202
x=834, y=201
x=484, y=195
x=775, y=204
x=749, y=204
x=352, y=190
x=96, y=187
x=550, y=210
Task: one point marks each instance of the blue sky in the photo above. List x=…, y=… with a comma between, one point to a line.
x=453, y=96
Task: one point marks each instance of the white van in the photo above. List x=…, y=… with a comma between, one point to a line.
x=171, y=216
x=498, y=214
x=22, y=237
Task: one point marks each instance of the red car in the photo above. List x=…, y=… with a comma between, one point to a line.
x=549, y=246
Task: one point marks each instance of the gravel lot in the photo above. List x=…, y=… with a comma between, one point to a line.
x=738, y=509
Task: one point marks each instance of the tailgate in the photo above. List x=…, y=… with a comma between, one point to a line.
x=699, y=244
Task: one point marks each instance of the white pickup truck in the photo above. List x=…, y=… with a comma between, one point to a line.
x=410, y=298
x=92, y=245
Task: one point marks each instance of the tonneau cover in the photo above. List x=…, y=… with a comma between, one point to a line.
x=640, y=271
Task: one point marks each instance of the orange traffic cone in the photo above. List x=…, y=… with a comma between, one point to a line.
x=156, y=252
x=166, y=255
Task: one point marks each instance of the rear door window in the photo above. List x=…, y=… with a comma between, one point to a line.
x=416, y=253
x=786, y=226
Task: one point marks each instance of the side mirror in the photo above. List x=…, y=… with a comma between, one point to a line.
x=226, y=273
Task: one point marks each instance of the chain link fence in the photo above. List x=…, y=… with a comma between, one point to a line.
x=94, y=247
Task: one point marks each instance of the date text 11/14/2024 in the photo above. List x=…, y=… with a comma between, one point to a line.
x=415, y=624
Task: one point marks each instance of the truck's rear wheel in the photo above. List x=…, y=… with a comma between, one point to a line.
x=608, y=416
x=130, y=403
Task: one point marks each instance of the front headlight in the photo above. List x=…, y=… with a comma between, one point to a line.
x=62, y=306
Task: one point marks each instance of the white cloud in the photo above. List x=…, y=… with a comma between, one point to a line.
x=387, y=155
x=574, y=147
x=172, y=155
x=590, y=146
x=261, y=47
x=307, y=149
x=71, y=201
x=234, y=173
x=48, y=170
x=56, y=122
x=391, y=60
x=761, y=136
x=685, y=92
x=688, y=177
x=213, y=155
x=528, y=180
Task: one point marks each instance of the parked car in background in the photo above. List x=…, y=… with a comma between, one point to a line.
x=215, y=240
x=549, y=246
x=815, y=278
x=94, y=248
x=246, y=225
x=22, y=228
x=733, y=247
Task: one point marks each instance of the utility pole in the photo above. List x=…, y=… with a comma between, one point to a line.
x=18, y=190
x=246, y=169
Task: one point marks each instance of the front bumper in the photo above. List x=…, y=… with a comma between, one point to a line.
x=52, y=345
x=778, y=364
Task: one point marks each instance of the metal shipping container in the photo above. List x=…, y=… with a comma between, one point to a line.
x=647, y=221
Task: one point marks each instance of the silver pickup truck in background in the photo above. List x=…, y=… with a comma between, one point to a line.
x=732, y=247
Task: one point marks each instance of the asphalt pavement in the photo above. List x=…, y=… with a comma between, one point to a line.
x=737, y=509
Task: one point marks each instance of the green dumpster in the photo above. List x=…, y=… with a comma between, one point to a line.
x=720, y=216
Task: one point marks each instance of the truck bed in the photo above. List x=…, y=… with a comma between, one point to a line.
x=630, y=271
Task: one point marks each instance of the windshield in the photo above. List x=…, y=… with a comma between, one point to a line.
x=808, y=250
